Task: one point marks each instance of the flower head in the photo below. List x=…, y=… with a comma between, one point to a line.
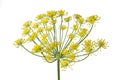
x=27, y=23
x=19, y=42
x=64, y=63
x=35, y=25
x=82, y=32
x=102, y=43
x=71, y=56
x=44, y=20
x=40, y=29
x=51, y=13
x=71, y=36
x=88, y=46
x=61, y=12
x=92, y=19
x=48, y=57
x=32, y=37
x=40, y=16
x=51, y=38
x=64, y=51
x=63, y=27
x=26, y=31
x=49, y=28
x=75, y=27
x=36, y=48
x=73, y=46
x=67, y=19
x=79, y=18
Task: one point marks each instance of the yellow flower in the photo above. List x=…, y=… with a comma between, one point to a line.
x=32, y=37
x=71, y=56
x=48, y=57
x=64, y=51
x=67, y=19
x=63, y=27
x=26, y=31
x=27, y=23
x=53, y=45
x=64, y=63
x=35, y=25
x=88, y=42
x=18, y=42
x=44, y=20
x=51, y=36
x=79, y=18
x=37, y=48
x=88, y=46
x=83, y=32
x=73, y=46
x=44, y=41
x=51, y=13
x=61, y=12
x=40, y=16
x=92, y=19
x=49, y=28
x=47, y=49
x=44, y=36
x=102, y=43
x=75, y=27
x=40, y=29
x=53, y=21
x=71, y=35
x=88, y=49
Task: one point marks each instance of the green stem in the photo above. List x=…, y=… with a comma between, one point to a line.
x=58, y=69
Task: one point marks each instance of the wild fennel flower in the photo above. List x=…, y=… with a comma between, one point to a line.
x=19, y=42
x=40, y=16
x=75, y=27
x=64, y=63
x=26, y=31
x=102, y=43
x=36, y=48
x=92, y=19
x=82, y=32
x=63, y=27
x=56, y=36
x=61, y=12
x=67, y=19
x=27, y=23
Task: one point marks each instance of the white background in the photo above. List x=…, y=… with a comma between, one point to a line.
x=17, y=64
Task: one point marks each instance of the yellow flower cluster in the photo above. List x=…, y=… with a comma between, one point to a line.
x=64, y=63
x=63, y=27
x=88, y=46
x=67, y=19
x=36, y=48
x=54, y=39
x=92, y=46
x=61, y=12
x=82, y=32
x=79, y=18
x=18, y=42
x=71, y=36
x=92, y=19
x=102, y=43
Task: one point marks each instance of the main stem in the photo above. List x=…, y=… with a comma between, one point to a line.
x=58, y=69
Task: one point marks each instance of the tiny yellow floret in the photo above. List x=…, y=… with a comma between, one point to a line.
x=64, y=63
